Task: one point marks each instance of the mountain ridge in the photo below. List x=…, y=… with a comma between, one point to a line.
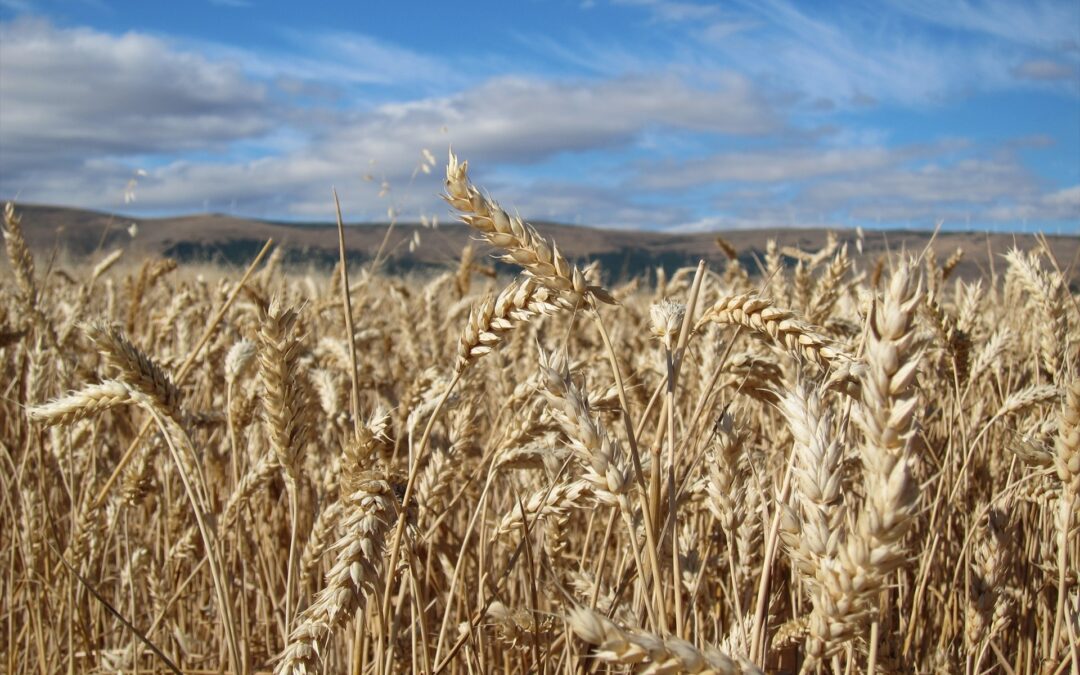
x=234, y=240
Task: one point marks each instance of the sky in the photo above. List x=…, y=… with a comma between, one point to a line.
x=643, y=114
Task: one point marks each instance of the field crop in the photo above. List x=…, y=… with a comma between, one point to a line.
x=808, y=467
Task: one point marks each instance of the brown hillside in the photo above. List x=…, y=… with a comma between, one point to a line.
x=215, y=237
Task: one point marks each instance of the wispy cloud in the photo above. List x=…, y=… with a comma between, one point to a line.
x=18, y=6
x=862, y=54
x=1037, y=23
x=675, y=10
x=1047, y=70
x=860, y=59
x=341, y=61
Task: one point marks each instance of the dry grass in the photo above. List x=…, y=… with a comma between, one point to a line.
x=821, y=469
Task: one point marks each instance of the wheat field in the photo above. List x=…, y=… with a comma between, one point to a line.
x=812, y=467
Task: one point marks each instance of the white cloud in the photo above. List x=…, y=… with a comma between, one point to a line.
x=68, y=95
x=606, y=207
x=906, y=185
x=81, y=108
x=509, y=120
x=761, y=219
x=1059, y=205
x=538, y=118
x=968, y=181
x=977, y=190
x=1068, y=198
x=767, y=166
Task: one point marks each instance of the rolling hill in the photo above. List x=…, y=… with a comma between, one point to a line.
x=219, y=238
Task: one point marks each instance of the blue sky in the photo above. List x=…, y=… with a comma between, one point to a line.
x=615, y=113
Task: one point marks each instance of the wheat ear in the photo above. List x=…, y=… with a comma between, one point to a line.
x=759, y=314
x=321, y=532
x=489, y=321
x=811, y=535
x=648, y=653
x=1049, y=295
x=555, y=502
x=89, y=401
x=523, y=245
x=850, y=581
x=286, y=407
x=356, y=573
x=135, y=368
x=22, y=265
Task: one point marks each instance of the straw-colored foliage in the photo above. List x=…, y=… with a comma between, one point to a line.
x=804, y=467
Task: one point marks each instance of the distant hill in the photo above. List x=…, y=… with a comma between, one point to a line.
x=623, y=253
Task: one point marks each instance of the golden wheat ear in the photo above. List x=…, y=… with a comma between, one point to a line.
x=522, y=244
